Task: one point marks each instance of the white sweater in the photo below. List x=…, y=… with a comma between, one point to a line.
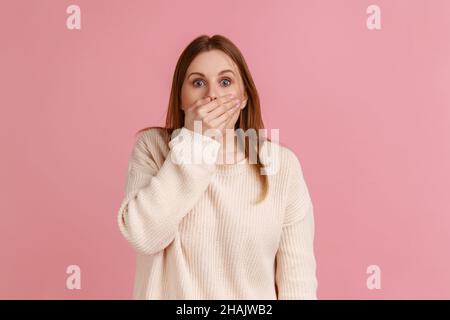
x=197, y=233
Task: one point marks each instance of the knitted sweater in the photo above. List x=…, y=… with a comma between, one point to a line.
x=197, y=233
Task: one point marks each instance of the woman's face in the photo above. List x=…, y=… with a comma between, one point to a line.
x=212, y=74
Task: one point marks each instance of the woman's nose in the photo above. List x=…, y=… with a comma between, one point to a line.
x=213, y=92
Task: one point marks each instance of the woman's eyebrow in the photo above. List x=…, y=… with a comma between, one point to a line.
x=202, y=75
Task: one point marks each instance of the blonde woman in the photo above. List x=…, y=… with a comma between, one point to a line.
x=211, y=227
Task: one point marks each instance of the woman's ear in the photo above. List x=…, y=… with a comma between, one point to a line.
x=244, y=102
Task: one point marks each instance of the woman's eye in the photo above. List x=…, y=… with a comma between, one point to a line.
x=226, y=81
x=196, y=81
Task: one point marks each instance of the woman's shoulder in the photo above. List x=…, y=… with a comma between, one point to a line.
x=153, y=134
x=151, y=143
x=281, y=157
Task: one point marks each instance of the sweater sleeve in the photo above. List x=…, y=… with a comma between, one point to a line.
x=156, y=199
x=295, y=274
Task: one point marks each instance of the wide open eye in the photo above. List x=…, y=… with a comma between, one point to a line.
x=227, y=81
x=196, y=81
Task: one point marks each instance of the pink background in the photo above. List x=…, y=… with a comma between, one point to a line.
x=366, y=111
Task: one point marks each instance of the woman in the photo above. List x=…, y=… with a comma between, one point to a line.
x=197, y=227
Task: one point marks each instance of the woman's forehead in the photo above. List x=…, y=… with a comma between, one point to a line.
x=211, y=63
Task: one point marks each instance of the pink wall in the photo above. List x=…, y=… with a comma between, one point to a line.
x=366, y=111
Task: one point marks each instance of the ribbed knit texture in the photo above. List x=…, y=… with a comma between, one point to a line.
x=198, y=233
